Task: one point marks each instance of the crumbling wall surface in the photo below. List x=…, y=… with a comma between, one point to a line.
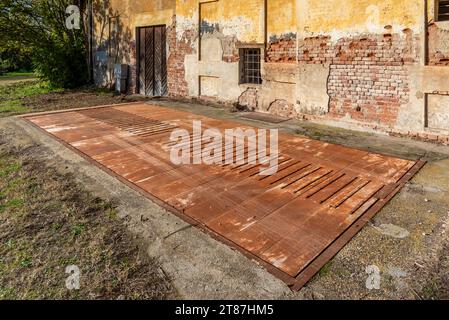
x=311, y=88
x=249, y=99
x=428, y=101
x=437, y=111
x=281, y=31
x=180, y=44
x=282, y=49
x=368, y=80
x=230, y=23
x=366, y=47
x=213, y=33
x=279, y=85
x=439, y=44
x=283, y=108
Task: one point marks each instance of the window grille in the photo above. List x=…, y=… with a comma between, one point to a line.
x=443, y=10
x=250, y=66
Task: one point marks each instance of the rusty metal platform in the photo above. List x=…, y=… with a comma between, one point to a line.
x=291, y=223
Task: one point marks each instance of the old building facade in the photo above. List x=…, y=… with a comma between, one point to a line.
x=371, y=64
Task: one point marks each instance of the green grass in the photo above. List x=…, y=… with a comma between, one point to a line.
x=326, y=269
x=17, y=74
x=11, y=95
x=14, y=203
x=22, y=90
x=8, y=168
x=50, y=222
x=431, y=289
x=12, y=108
x=78, y=229
x=6, y=293
x=103, y=91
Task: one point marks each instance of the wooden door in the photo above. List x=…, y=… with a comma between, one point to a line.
x=152, y=61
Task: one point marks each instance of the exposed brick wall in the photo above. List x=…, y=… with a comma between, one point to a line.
x=230, y=50
x=422, y=136
x=177, y=50
x=132, y=78
x=249, y=99
x=282, y=50
x=438, y=46
x=370, y=93
x=283, y=108
x=368, y=79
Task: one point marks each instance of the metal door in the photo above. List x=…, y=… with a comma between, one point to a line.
x=152, y=61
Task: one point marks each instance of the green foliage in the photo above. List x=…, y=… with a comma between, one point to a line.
x=39, y=26
x=14, y=57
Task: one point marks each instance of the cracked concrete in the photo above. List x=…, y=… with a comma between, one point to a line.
x=392, y=231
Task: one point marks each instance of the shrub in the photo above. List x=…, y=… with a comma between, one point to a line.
x=58, y=54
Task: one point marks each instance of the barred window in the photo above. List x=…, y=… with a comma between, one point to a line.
x=250, y=64
x=443, y=10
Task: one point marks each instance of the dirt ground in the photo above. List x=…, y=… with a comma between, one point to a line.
x=48, y=222
x=19, y=97
x=87, y=97
x=407, y=242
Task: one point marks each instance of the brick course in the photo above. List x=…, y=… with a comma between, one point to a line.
x=177, y=50
x=283, y=108
x=249, y=99
x=132, y=84
x=282, y=50
x=368, y=78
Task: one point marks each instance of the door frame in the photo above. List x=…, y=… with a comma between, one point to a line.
x=138, y=47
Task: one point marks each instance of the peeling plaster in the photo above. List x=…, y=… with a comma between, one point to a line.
x=227, y=25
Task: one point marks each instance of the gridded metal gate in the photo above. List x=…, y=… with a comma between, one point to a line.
x=152, y=61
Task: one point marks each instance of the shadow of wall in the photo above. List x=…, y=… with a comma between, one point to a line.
x=113, y=44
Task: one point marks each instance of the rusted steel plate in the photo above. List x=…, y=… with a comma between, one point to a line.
x=292, y=222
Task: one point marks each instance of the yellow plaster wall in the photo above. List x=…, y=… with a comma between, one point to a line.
x=312, y=16
x=281, y=17
x=284, y=16
x=243, y=18
x=139, y=13
x=187, y=8
x=318, y=16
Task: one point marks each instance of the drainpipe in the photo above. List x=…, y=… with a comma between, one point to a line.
x=425, y=39
x=425, y=58
x=90, y=14
x=265, y=26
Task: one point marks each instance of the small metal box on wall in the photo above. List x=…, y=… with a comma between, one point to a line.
x=121, y=77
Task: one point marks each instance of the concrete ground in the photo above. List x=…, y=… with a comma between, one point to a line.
x=407, y=242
